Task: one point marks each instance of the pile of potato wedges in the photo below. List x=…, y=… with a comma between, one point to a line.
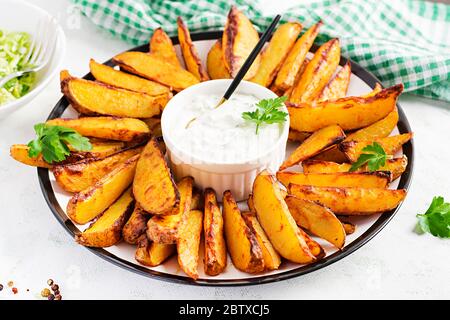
x=125, y=189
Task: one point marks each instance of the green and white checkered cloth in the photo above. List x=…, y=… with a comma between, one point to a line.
x=405, y=41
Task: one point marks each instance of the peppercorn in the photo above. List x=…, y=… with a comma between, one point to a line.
x=56, y=292
x=55, y=287
x=51, y=297
x=45, y=293
x=14, y=290
x=1, y=287
x=58, y=297
x=49, y=282
x=10, y=284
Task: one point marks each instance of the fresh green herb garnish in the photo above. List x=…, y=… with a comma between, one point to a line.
x=437, y=218
x=52, y=142
x=374, y=156
x=267, y=112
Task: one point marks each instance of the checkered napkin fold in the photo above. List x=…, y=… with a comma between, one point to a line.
x=401, y=41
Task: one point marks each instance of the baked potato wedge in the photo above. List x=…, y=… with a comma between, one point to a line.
x=215, y=255
x=275, y=53
x=154, y=68
x=161, y=46
x=242, y=244
x=116, y=78
x=318, y=73
x=318, y=219
x=288, y=91
x=135, y=226
x=152, y=254
x=238, y=40
x=189, y=51
x=349, y=113
x=298, y=136
x=215, y=63
x=153, y=186
x=19, y=152
x=91, y=202
x=350, y=201
x=277, y=222
x=100, y=150
x=318, y=141
x=338, y=85
x=188, y=243
x=107, y=229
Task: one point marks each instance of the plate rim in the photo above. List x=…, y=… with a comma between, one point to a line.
x=405, y=181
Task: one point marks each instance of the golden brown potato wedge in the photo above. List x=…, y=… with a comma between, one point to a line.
x=288, y=91
x=19, y=152
x=349, y=113
x=162, y=47
x=153, y=186
x=238, y=40
x=317, y=142
x=164, y=228
x=188, y=243
x=396, y=166
x=377, y=179
x=152, y=254
x=318, y=219
x=317, y=73
x=338, y=85
x=391, y=145
x=350, y=201
x=276, y=220
x=111, y=128
x=298, y=136
x=291, y=66
x=93, y=98
x=242, y=244
x=190, y=54
x=215, y=63
x=215, y=256
x=100, y=149
x=107, y=230
x=116, y=78
x=156, y=69
x=135, y=226
x=271, y=258
x=276, y=51
x=89, y=203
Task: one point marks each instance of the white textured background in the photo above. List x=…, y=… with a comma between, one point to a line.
x=397, y=263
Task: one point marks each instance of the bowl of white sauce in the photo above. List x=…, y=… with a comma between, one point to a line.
x=220, y=149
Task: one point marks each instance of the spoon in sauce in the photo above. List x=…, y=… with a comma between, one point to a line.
x=247, y=64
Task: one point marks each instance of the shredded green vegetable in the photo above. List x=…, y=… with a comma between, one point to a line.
x=13, y=49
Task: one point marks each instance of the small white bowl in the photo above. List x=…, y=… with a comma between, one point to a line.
x=237, y=177
x=18, y=15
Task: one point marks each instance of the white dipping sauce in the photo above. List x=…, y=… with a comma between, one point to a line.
x=220, y=135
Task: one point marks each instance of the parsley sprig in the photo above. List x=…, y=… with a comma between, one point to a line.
x=52, y=142
x=267, y=112
x=436, y=220
x=373, y=155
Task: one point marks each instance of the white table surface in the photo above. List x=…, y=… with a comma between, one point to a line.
x=397, y=263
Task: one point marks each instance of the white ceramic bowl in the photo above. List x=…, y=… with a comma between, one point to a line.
x=18, y=15
x=237, y=177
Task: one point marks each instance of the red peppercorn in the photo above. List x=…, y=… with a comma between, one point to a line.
x=55, y=287
x=14, y=290
x=51, y=297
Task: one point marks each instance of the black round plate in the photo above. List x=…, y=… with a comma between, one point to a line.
x=367, y=77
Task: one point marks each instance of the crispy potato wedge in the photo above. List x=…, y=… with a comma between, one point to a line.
x=111, y=128
x=189, y=51
x=100, y=149
x=116, y=78
x=156, y=69
x=291, y=66
x=78, y=176
x=277, y=222
x=317, y=142
x=318, y=219
x=276, y=51
x=288, y=91
x=349, y=113
x=298, y=136
x=215, y=256
x=135, y=226
x=93, y=98
x=351, y=201
x=164, y=228
x=353, y=149
x=188, y=243
x=271, y=258
x=152, y=254
x=107, y=230
x=19, y=152
x=338, y=85
x=242, y=244
x=153, y=186
x=215, y=63
x=162, y=47
x=377, y=179
x=396, y=166
x=318, y=73
x=89, y=203
x=238, y=40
